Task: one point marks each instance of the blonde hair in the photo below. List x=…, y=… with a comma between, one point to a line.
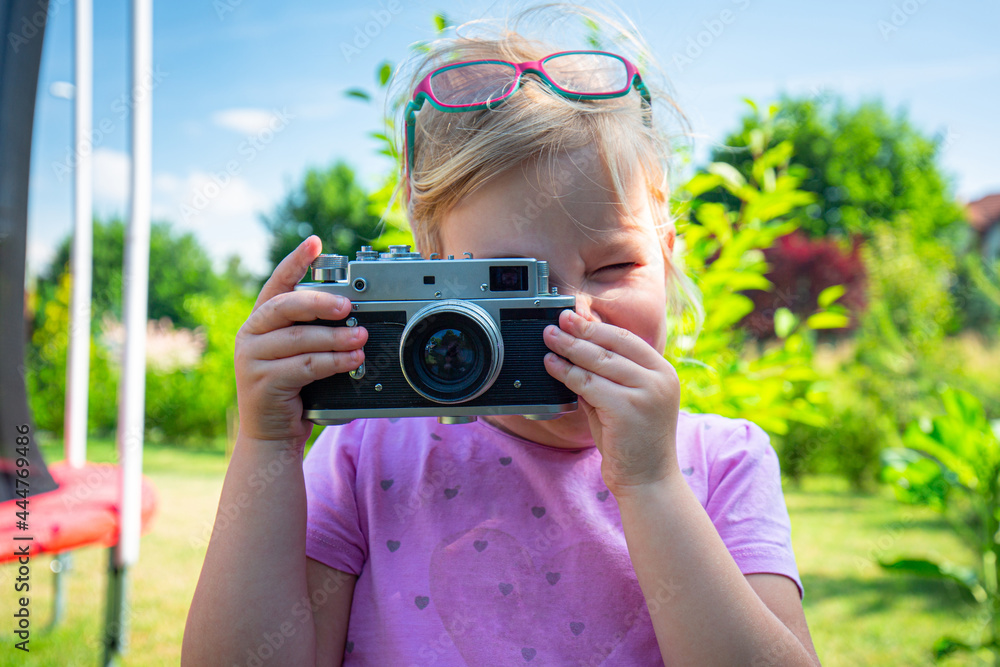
x=456, y=153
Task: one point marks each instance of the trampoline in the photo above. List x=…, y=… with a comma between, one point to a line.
x=72, y=504
x=81, y=511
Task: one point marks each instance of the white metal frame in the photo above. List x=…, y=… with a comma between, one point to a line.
x=132, y=386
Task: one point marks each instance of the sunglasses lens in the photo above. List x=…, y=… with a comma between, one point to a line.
x=475, y=83
x=587, y=73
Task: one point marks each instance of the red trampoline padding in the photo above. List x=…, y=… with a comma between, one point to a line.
x=82, y=512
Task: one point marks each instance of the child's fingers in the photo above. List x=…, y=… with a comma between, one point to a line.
x=592, y=357
x=294, y=340
x=303, y=306
x=616, y=339
x=290, y=270
x=298, y=371
x=598, y=391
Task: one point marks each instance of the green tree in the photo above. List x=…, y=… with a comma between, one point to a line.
x=45, y=376
x=329, y=203
x=721, y=368
x=178, y=267
x=866, y=166
x=182, y=287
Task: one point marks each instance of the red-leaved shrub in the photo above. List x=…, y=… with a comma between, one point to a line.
x=801, y=268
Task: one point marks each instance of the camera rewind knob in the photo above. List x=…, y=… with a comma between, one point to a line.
x=543, y=276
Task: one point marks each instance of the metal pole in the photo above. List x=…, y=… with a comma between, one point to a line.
x=61, y=565
x=78, y=360
x=131, y=410
x=131, y=416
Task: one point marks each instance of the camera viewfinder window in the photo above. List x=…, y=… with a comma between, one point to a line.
x=508, y=278
x=428, y=280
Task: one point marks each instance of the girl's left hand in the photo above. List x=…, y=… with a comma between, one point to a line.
x=629, y=392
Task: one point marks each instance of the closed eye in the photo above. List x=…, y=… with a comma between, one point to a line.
x=613, y=267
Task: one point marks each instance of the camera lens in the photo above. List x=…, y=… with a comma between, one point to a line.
x=450, y=355
x=451, y=351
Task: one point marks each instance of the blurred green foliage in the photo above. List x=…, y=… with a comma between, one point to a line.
x=867, y=168
x=722, y=368
x=45, y=376
x=178, y=266
x=329, y=203
x=187, y=405
x=875, y=177
x=952, y=463
x=193, y=406
x=977, y=291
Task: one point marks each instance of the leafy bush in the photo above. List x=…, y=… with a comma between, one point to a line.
x=953, y=465
x=194, y=406
x=873, y=174
x=800, y=269
x=722, y=370
x=976, y=292
x=45, y=376
x=850, y=443
x=186, y=406
x=910, y=310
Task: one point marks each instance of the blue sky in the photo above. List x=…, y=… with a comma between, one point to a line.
x=256, y=89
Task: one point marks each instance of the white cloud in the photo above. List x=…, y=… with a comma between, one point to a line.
x=220, y=194
x=222, y=211
x=247, y=121
x=167, y=183
x=63, y=89
x=40, y=255
x=111, y=180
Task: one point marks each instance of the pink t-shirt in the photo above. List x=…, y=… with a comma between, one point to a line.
x=472, y=546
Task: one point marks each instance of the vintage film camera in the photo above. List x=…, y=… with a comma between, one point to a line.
x=451, y=338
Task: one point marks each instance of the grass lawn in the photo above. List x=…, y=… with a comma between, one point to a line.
x=858, y=616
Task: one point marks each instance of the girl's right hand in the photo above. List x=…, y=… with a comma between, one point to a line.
x=275, y=358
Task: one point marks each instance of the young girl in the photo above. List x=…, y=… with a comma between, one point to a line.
x=625, y=533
